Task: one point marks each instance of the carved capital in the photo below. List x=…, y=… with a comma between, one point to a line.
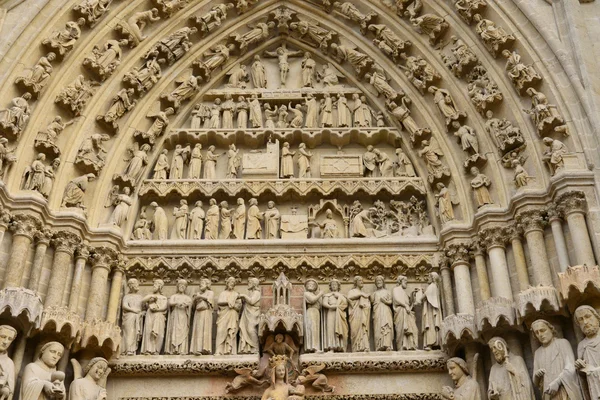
x=43, y=236
x=553, y=213
x=24, y=225
x=83, y=250
x=5, y=217
x=531, y=220
x=493, y=237
x=514, y=232
x=65, y=241
x=571, y=202
x=103, y=257
x=458, y=253
x=120, y=264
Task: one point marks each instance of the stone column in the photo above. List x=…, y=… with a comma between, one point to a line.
x=554, y=216
x=573, y=206
x=532, y=222
x=64, y=243
x=42, y=238
x=19, y=353
x=514, y=233
x=459, y=256
x=81, y=257
x=102, y=258
x=482, y=273
x=24, y=227
x=447, y=290
x=493, y=239
x=115, y=293
x=5, y=218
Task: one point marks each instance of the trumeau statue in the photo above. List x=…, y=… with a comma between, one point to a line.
x=156, y=306
x=509, y=377
x=7, y=367
x=132, y=318
x=75, y=191
x=554, y=370
x=249, y=319
x=178, y=325
x=37, y=77
x=204, y=303
x=383, y=321
x=405, y=322
x=335, y=328
x=588, y=350
x=37, y=381
x=465, y=386
x=89, y=382
x=229, y=305
x=312, y=316
x=360, y=316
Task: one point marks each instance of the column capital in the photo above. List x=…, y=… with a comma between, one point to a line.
x=65, y=241
x=43, y=235
x=494, y=236
x=119, y=265
x=103, y=257
x=553, y=212
x=83, y=250
x=5, y=216
x=531, y=220
x=514, y=232
x=458, y=253
x=571, y=202
x=25, y=225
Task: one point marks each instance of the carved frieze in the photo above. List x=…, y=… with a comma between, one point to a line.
x=432, y=360
x=142, y=366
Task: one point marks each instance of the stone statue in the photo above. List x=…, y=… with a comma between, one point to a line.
x=180, y=155
x=239, y=220
x=204, y=302
x=14, y=118
x=178, y=325
x=467, y=138
x=405, y=321
x=135, y=25
x=160, y=223
x=359, y=61
x=241, y=109
x=63, y=41
x=378, y=78
x=445, y=103
x=462, y=59
x=195, y=166
x=521, y=177
x=431, y=153
x=344, y=116
x=34, y=175
x=287, y=161
x=494, y=38
x=369, y=162
x=404, y=167
x=255, y=112
x=431, y=319
x=360, y=316
x=272, y=218
x=210, y=163
x=308, y=70
x=465, y=386
x=249, y=319
x=385, y=165
x=143, y=78
x=37, y=77
x=402, y=114
x=312, y=316
x=92, y=154
x=75, y=96
x=502, y=130
x=174, y=46
x=270, y=115
x=335, y=328
x=132, y=318
x=554, y=153
x=431, y=25
x=383, y=321
x=230, y=304
x=196, y=224
x=329, y=75
x=283, y=55
x=137, y=162
x=304, y=157
x=280, y=389
x=361, y=220
x=213, y=59
x=104, y=60
x=509, y=378
x=386, y=35
x=257, y=71
x=444, y=203
x=253, y=228
x=257, y=33
x=588, y=350
x=181, y=214
x=214, y=17
x=420, y=73
x=468, y=8
x=211, y=230
x=37, y=382
x=121, y=103
x=233, y=162
x=319, y=381
x=7, y=367
x=141, y=229
x=329, y=226
x=350, y=12
x=310, y=32
x=53, y=130
x=122, y=203
x=186, y=90
x=227, y=110
x=480, y=184
x=554, y=370
x=162, y=165
x=156, y=305
x=89, y=383
x=523, y=76
x=312, y=112
x=545, y=115
x=75, y=191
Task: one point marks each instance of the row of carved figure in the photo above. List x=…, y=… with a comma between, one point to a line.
x=41, y=380
x=330, y=111
x=406, y=218
x=182, y=324
x=555, y=366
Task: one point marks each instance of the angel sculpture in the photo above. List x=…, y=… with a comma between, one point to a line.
x=310, y=32
x=213, y=59
x=145, y=77
x=245, y=377
x=359, y=61
x=515, y=160
x=313, y=374
x=349, y=11
x=122, y=203
x=431, y=153
x=138, y=159
x=158, y=127
x=89, y=382
x=256, y=34
x=466, y=386
x=187, y=89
